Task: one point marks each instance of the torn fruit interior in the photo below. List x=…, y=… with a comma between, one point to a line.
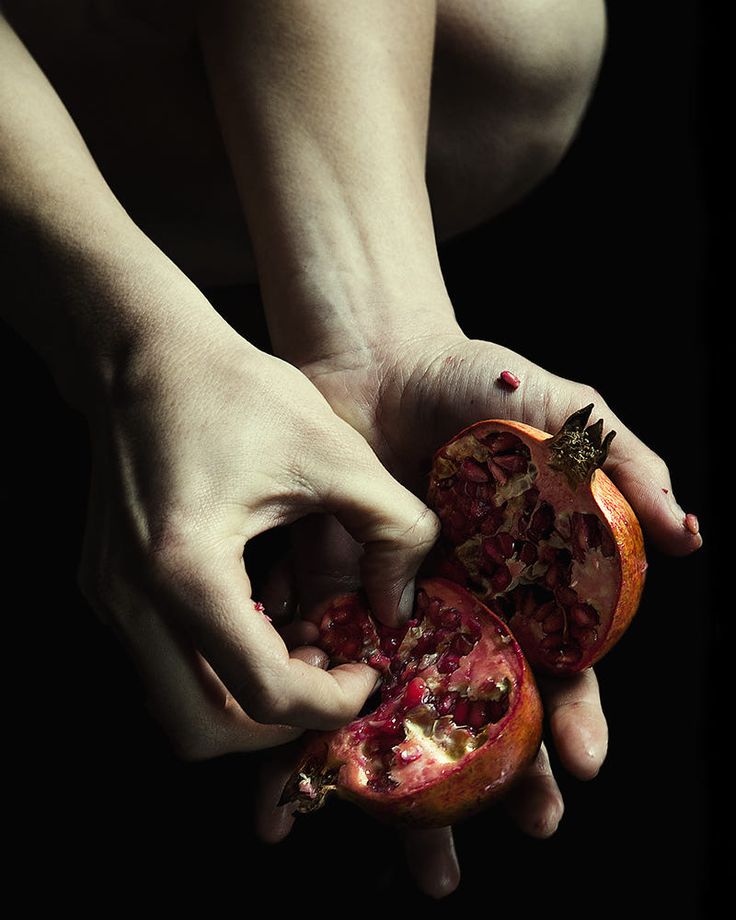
x=448, y=681
x=531, y=546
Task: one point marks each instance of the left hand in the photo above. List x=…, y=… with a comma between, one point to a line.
x=407, y=400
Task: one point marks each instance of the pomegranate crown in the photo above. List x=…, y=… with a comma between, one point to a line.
x=578, y=451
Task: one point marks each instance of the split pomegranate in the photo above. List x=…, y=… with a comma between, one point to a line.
x=459, y=715
x=538, y=532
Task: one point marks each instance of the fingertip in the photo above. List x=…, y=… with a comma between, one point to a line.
x=274, y=825
x=406, y=603
x=535, y=803
x=311, y=656
x=433, y=861
x=300, y=632
x=587, y=757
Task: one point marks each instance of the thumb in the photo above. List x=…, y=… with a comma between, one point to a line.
x=396, y=530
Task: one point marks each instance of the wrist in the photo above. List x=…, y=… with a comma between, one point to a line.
x=87, y=290
x=329, y=314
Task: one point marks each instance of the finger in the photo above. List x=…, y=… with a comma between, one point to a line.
x=577, y=723
x=638, y=472
x=298, y=633
x=208, y=591
x=273, y=822
x=432, y=860
x=396, y=529
x=185, y=696
x=644, y=479
x=535, y=802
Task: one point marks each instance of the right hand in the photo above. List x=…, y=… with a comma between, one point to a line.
x=201, y=442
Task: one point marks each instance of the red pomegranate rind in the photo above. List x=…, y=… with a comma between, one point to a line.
x=541, y=536
x=630, y=544
x=459, y=717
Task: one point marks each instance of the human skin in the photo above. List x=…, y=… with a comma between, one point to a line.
x=346, y=286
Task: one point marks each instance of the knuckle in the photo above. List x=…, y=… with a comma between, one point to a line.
x=423, y=531
x=264, y=702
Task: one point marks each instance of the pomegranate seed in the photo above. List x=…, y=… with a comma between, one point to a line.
x=542, y=612
x=586, y=637
x=462, y=645
x=531, y=497
x=550, y=643
x=511, y=380
x=503, y=442
x=528, y=553
x=512, y=463
x=446, y=704
x=498, y=473
x=448, y=662
x=473, y=471
x=501, y=578
x=478, y=509
x=451, y=618
x=569, y=653
x=542, y=522
x=552, y=575
x=462, y=709
x=409, y=671
x=473, y=628
x=493, y=520
x=410, y=754
x=565, y=596
x=555, y=621
x=584, y=615
x=477, y=715
x=415, y=693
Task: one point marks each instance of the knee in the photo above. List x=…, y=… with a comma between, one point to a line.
x=525, y=71
x=549, y=67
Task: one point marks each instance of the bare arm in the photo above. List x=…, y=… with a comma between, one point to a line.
x=324, y=108
x=188, y=463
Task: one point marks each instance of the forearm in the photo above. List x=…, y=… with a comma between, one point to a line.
x=324, y=109
x=81, y=282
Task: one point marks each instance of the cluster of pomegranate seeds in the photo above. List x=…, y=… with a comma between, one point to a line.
x=418, y=692
x=509, y=546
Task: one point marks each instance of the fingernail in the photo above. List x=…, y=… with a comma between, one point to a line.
x=406, y=604
x=692, y=524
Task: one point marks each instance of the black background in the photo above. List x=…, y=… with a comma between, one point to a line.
x=608, y=274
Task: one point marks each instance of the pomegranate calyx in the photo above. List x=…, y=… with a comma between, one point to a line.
x=578, y=451
x=307, y=789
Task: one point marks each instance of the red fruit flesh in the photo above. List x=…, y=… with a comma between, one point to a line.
x=459, y=714
x=541, y=535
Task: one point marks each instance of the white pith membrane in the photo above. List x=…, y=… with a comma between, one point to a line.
x=535, y=550
x=451, y=681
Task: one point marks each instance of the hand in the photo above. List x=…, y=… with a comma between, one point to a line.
x=407, y=400
x=201, y=442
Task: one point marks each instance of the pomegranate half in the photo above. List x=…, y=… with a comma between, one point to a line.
x=541, y=535
x=459, y=715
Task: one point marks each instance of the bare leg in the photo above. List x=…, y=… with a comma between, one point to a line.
x=511, y=83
